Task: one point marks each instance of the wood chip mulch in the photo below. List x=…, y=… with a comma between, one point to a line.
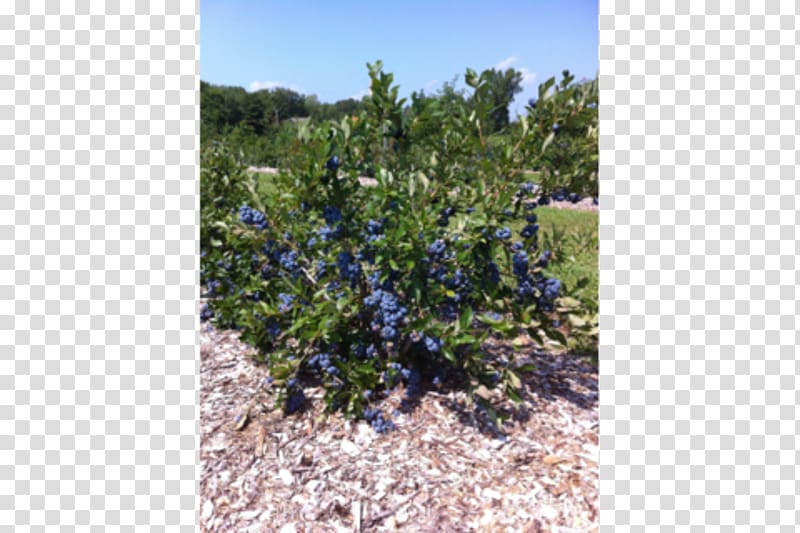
x=444, y=469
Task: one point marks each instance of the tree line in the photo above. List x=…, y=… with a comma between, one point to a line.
x=257, y=122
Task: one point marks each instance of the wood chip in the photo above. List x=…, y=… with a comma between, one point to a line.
x=208, y=510
x=286, y=476
x=356, y=512
x=349, y=448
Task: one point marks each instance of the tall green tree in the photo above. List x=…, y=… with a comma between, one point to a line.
x=502, y=87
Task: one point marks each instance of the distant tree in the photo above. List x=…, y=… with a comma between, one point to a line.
x=221, y=109
x=349, y=106
x=503, y=86
x=285, y=104
x=312, y=105
x=253, y=113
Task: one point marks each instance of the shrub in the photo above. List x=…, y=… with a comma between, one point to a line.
x=564, y=131
x=364, y=288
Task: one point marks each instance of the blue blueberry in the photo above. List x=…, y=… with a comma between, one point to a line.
x=333, y=163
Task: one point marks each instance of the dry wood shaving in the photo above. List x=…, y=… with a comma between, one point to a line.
x=445, y=468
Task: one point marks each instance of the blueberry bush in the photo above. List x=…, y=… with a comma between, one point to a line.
x=362, y=288
x=564, y=124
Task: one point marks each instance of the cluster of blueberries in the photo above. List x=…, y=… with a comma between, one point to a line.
x=253, y=217
x=295, y=400
x=349, y=268
x=375, y=282
x=322, y=361
x=389, y=314
x=283, y=257
x=330, y=233
x=436, y=251
x=286, y=302
x=333, y=229
x=433, y=344
x=413, y=382
x=503, y=234
x=362, y=351
x=374, y=230
x=563, y=195
x=444, y=216
x=460, y=284
x=532, y=228
x=331, y=214
x=273, y=329
x=213, y=286
x=531, y=283
x=376, y=419
x=288, y=261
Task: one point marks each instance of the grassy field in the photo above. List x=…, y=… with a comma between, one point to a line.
x=264, y=185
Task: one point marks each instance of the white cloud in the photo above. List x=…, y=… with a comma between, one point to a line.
x=361, y=94
x=431, y=84
x=260, y=85
x=528, y=77
x=505, y=63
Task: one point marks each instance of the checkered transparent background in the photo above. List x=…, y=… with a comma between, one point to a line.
x=699, y=265
x=98, y=283
x=98, y=223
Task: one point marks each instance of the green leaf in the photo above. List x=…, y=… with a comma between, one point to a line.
x=569, y=302
x=448, y=354
x=466, y=318
x=466, y=338
x=423, y=179
x=548, y=140
x=513, y=394
x=558, y=336
x=471, y=78
x=492, y=412
x=576, y=321
x=486, y=319
x=346, y=127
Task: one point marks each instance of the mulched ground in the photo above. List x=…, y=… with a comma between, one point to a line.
x=445, y=468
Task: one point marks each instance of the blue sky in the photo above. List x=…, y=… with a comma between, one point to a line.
x=318, y=47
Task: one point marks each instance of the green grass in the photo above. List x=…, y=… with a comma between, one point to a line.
x=532, y=176
x=264, y=185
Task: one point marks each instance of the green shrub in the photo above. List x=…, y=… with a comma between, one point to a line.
x=564, y=132
x=361, y=288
